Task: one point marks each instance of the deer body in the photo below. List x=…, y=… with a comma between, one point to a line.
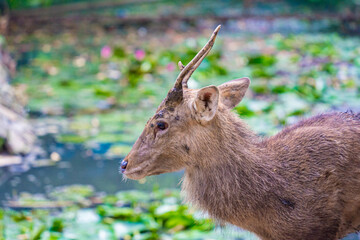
x=303, y=183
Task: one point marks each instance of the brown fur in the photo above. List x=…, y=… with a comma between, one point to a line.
x=303, y=183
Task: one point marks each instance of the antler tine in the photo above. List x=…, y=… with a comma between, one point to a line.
x=187, y=71
x=181, y=66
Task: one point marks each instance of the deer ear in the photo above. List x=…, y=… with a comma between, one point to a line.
x=232, y=92
x=206, y=103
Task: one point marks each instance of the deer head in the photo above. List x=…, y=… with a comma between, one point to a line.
x=184, y=123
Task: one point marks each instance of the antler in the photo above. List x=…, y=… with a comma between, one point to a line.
x=175, y=95
x=187, y=71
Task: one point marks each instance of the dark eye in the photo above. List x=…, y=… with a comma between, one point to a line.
x=162, y=125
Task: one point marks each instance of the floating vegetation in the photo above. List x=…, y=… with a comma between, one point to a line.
x=125, y=215
x=109, y=91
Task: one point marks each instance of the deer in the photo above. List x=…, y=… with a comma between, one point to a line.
x=302, y=183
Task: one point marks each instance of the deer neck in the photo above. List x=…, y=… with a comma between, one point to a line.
x=236, y=174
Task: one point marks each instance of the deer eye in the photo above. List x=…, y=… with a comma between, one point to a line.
x=162, y=125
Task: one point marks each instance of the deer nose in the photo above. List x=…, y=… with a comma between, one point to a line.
x=123, y=165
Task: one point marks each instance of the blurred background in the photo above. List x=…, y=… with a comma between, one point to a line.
x=79, y=79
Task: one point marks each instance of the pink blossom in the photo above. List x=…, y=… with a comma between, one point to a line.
x=170, y=67
x=139, y=54
x=106, y=51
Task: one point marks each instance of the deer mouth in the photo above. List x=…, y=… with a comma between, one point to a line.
x=136, y=173
x=141, y=171
x=136, y=169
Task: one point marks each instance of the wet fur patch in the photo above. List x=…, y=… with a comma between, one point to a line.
x=287, y=203
x=186, y=147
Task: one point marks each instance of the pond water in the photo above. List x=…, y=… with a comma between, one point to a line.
x=78, y=166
